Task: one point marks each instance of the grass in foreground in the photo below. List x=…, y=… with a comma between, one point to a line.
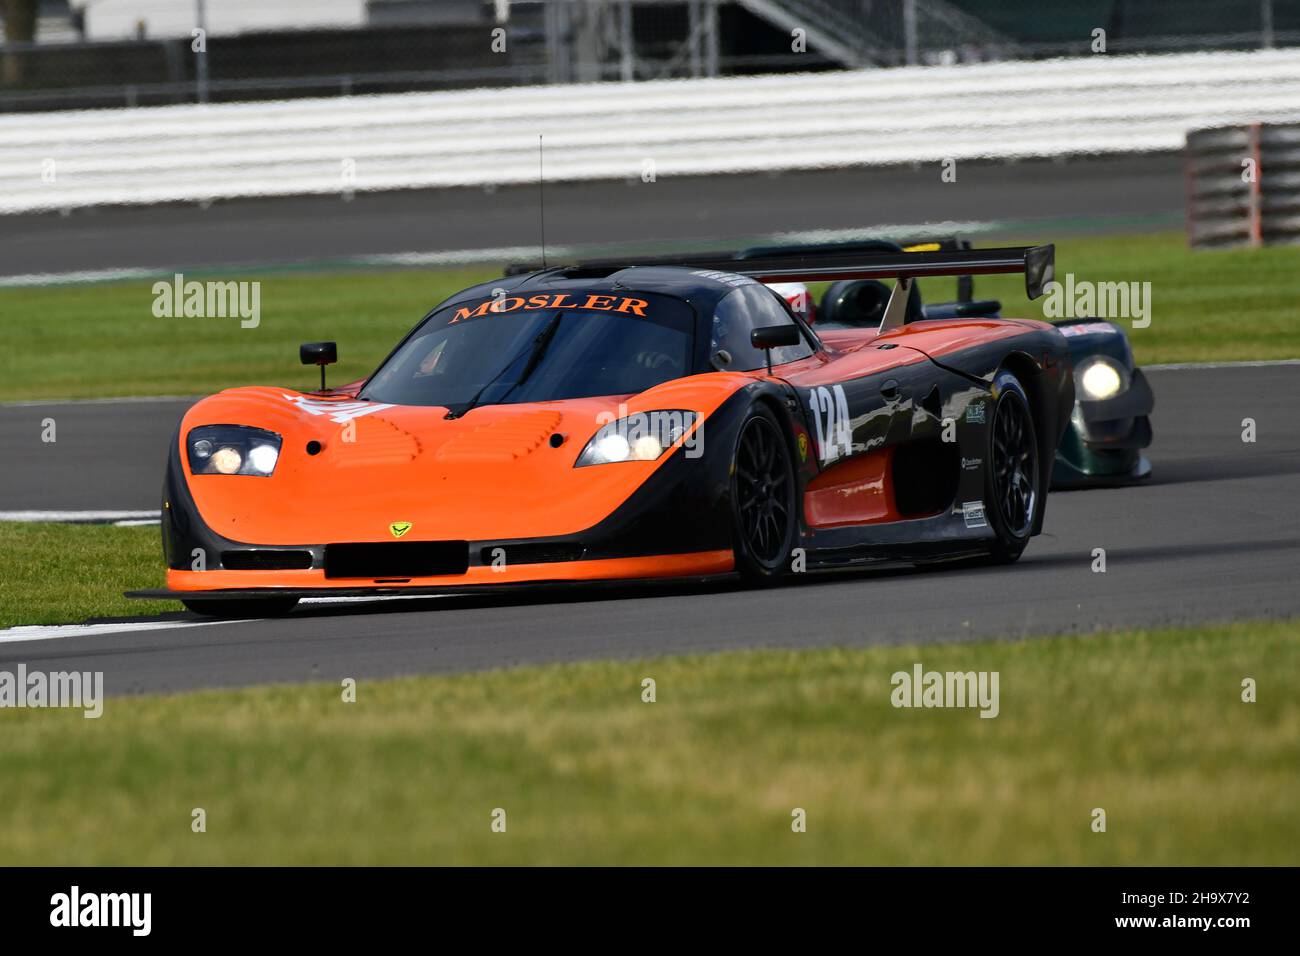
x=1147, y=725
x=103, y=340
x=63, y=573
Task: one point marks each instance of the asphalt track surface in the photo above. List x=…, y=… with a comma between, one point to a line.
x=259, y=232
x=1213, y=536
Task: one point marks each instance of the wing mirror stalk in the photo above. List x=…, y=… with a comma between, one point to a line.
x=319, y=353
x=773, y=337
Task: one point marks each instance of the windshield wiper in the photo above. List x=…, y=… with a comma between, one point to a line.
x=540, y=345
x=534, y=352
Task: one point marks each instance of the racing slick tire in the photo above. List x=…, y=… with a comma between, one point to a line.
x=1013, y=479
x=242, y=608
x=763, y=498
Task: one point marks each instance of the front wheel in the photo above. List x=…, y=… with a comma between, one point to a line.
x=763, y=495
x=1013, y=486
x=242, y=607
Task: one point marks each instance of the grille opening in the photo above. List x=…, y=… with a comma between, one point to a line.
x=925, y=476
x=396, y=559
x=542, y=552
x=265, y=559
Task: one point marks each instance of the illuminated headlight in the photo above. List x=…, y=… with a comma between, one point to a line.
x=609, y=448
x=642, y=436
x=226, y=461
x=263, y=458
x=232, y=450
x=1100, y=379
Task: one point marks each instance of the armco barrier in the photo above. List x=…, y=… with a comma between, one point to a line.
x=1104, y=104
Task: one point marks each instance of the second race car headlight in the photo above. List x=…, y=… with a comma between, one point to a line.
x=232, y=450
x=641, y=436
x=1100, y=379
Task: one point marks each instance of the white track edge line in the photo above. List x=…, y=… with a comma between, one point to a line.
x=77, y=517
x=50, y=632
x=1191, y=366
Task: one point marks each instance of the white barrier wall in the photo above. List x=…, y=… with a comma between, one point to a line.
x=1102, y=104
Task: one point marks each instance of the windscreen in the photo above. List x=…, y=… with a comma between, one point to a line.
x=537, y=348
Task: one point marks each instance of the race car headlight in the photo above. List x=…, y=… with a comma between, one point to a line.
x=1100, y=379
x=232, y=450
x=642, y=436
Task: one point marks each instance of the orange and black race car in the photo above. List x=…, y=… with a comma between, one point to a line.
x=625, y=420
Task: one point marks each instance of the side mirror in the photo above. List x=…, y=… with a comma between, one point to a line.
x=773, y=337
x=319, y=353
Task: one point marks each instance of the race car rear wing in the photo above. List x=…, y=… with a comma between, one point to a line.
x=833, y=263
x=1036, y=262
x=965, y=282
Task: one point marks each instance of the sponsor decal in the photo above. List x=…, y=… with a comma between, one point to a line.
x=594, y=302
x=339, y=412
x=1089, y=328
x=830, y=413
x=726, y=278
x=971, y=464
x=974, y=514
x=975, y=413
x=399, y=528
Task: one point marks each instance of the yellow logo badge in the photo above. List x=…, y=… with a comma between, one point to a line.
x=399, y=528
x=803, y=447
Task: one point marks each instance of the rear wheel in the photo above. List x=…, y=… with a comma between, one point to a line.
x=1014, y=478
x=241, y=607
x=762, y=498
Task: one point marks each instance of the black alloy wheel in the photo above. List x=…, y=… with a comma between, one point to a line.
x=1015, y=464
x=763, y=495
x=1013, y=487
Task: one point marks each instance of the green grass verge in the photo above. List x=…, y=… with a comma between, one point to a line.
x=1148, y=726
x=62, y=573
x=90, y=341
x=1206, y=306
x=103, y=340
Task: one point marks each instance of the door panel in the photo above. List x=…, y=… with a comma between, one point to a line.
x=860, y=401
